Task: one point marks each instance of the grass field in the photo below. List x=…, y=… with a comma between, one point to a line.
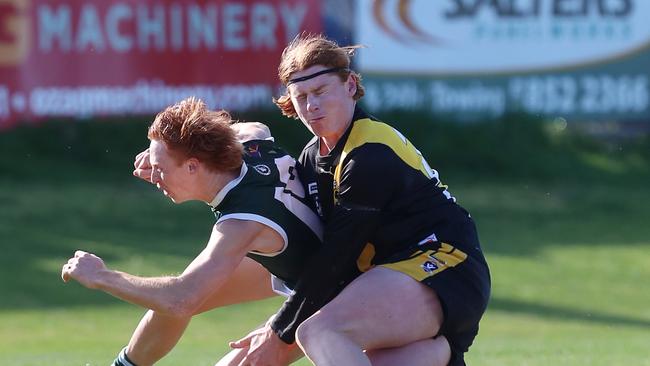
x=569, y=255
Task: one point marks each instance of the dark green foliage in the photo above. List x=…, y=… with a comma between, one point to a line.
x=522, y=147
x=102, y=149
x=519, y=147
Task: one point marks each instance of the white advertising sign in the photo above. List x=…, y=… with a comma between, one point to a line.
x=497, y=36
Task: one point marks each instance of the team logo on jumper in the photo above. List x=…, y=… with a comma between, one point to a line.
x=262, y=169
x=253, y=151
x=313, y=188
x=429, y=266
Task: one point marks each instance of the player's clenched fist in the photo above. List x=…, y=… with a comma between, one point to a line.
x=84, y=267
x=142, y=166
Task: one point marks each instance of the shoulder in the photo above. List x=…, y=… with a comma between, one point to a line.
x=237, y=224
x=311, y=147
x=256, y=151
x=310, y=150
x=368, y=130
x=371, y=159
x=373, y=140
x=247, y=131
x=237, y=228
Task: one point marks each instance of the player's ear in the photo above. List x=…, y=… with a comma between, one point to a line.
x=351, y=84
x=192, y=165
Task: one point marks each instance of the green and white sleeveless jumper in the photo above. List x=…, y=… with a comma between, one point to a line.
x=268, y=191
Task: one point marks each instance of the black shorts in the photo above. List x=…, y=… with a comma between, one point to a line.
x=461, y=281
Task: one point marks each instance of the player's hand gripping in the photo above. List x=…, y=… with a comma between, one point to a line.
x=265, y=348
x=142, y=166
x=84, y=267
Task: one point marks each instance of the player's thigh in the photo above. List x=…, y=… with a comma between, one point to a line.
x=428, y=352
x=384, y=308
x=250, y=281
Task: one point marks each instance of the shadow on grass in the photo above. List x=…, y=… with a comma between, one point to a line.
x=552, y=312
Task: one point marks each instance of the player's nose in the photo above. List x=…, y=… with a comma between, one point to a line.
x=313, y=104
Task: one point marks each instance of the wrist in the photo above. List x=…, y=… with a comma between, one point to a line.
x=103, y=279
x=282, y=334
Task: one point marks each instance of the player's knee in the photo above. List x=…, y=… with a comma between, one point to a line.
x=314, y=328
x=306, y=333
x=324, y=324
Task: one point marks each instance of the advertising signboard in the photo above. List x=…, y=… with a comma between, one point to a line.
x=65, y=58
x=578, y=59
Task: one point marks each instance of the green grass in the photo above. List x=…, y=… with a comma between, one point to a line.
x=570, y=270
x=568, y=247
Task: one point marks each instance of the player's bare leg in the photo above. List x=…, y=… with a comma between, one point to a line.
x=157, y=334
x=154, y=337
x=380, y=309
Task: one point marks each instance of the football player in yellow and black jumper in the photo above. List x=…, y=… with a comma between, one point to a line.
x=424, y=283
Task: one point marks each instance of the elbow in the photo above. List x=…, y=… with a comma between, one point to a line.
x=178, y=308
x=181, y=307
x=183, y=299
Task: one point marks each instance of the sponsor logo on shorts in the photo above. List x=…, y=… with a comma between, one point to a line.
x=262, y=169
x=429, y=239
x=429, y=266
x=436, y=259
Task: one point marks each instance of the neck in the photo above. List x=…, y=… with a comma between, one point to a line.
x=327, y=143
x=214, y=182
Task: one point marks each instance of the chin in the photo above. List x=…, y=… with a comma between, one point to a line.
x=317, y=131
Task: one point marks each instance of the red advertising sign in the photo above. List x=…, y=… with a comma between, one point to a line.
x=67, y=58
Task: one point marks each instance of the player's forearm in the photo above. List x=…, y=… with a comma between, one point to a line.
x=169, y=295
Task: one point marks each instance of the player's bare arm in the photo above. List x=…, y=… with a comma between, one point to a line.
x=247, y=131
x=185, y=293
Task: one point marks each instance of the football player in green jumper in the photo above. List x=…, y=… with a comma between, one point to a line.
x=263, y=233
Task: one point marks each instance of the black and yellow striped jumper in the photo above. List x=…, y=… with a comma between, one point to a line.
x=383, y=205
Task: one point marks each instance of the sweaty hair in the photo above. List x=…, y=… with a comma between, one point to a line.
x=190, y=129
x=308, y=50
